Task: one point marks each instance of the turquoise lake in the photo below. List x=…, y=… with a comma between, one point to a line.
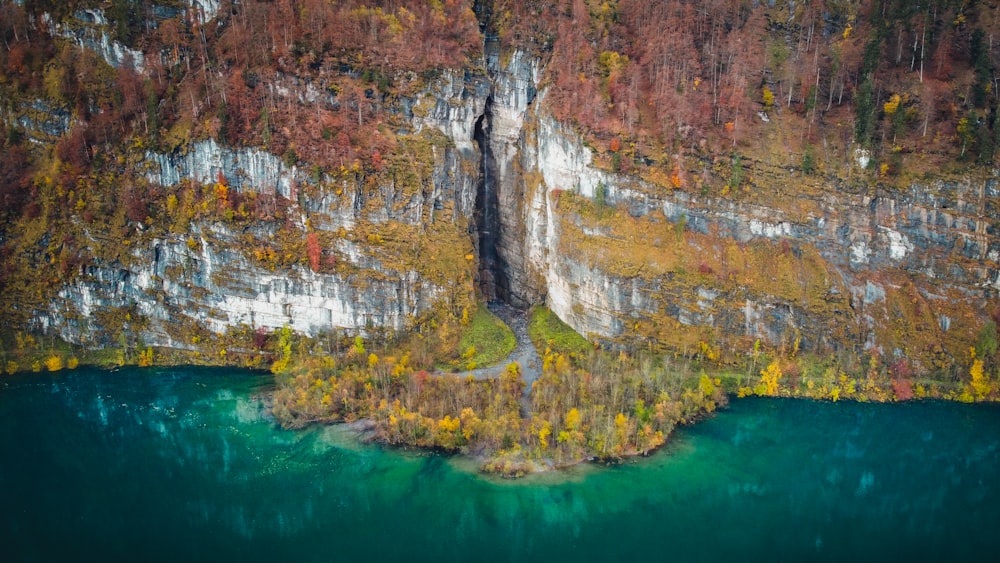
x=185, y=464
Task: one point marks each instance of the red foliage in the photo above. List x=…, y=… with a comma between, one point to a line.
x=420, y=378
x=314, y=250
x=902, y=385
x=260, y=338
x=72, y=149
x=129, y=85
x=792, y=372
x=903, y=389
x=900, y=369
x=657, y=74
x=15, y=59
x=673, y=70
x=136, y=204
x=69, y=261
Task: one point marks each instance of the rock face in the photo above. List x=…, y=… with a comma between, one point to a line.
x=245, y=168
x=89, y=29
x=501, y=195
x=629, y=262
x=206, y=278
x=211, y=285
x=622, y=259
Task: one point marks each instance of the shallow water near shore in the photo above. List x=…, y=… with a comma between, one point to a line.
x=186, y=464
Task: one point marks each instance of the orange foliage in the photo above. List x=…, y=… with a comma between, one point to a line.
x=222, y=195
x=314, y=251
x=675, y=177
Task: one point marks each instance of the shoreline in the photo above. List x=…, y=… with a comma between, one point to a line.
x=530, y=413
x=508, y=464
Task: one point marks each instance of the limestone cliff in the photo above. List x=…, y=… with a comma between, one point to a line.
x=815, y=263
x=484, y=184
x=208, y=277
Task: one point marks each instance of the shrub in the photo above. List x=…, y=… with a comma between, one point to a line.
x=54, y=363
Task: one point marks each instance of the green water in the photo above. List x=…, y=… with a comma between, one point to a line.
x=184, y=464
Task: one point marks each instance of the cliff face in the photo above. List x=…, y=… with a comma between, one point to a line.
x=890, y=272
x=808, y=262
x=207, y=278
x=815, y=263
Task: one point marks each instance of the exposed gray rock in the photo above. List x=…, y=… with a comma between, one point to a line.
x=944, y=233
x=244, y=168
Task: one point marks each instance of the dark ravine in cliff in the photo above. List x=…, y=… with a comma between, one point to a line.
x=502, y=206
x=487, y=215
x=493, y=275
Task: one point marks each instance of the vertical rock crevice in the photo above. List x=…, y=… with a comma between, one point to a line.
x=507, y=274
x=487, y=214
x=493, y=282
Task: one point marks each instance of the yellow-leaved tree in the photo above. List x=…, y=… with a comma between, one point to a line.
x=54, y=363
x=570, y=424
x=768, y=96
x=980, y=381
x=769, y=377
x=543, y=435
x=892, y=105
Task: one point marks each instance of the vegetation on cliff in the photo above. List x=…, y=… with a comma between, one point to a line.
x=674, y=87
x=673, y=93
x=77, y=131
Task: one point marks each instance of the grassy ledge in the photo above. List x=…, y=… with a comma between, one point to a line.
x=549, y=331
x=487, y=341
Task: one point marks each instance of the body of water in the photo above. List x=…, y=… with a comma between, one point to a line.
x=185, y=464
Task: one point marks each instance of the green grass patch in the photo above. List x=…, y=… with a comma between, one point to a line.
x=549, y=331
x=486, y=341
